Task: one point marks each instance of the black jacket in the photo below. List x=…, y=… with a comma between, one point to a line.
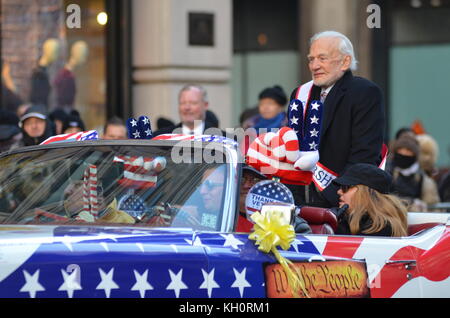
x=30, y=141
x=364, y=224
x=352, y=130
x=170, y=129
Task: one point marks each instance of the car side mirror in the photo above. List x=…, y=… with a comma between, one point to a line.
x=287, y=210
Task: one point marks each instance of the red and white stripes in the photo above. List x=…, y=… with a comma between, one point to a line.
x=90, y=195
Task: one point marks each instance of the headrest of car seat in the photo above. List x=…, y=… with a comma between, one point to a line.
x=318, y=216
x=321, y=229
x=415, y=228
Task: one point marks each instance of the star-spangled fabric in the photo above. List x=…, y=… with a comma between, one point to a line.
x=79, y=136
x=264, y=192
x=140, y=128
x=132, y=204
x=277, y=156
x=293, y=152
x=100, y=262
x=308, y=128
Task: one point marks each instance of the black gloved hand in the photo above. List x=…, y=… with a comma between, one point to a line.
x=301, y=226
x=339, y=212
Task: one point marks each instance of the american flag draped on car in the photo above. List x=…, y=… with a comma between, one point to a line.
x=79, y=136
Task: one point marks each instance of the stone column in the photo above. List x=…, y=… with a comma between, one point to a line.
x=163, y=60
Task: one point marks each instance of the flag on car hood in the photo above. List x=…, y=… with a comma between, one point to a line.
x=79, y=136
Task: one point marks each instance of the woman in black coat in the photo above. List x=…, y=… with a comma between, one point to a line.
x=366, y=208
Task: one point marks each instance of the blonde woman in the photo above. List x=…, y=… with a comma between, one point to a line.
x=366, y=206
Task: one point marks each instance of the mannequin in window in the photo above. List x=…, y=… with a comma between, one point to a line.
x=65, y=80
x=40, y=85
x=10, y=100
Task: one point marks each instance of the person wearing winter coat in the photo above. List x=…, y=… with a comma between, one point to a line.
x=35, y=125
x=410, y=182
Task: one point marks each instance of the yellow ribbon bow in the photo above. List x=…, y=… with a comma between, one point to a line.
x=271, y=231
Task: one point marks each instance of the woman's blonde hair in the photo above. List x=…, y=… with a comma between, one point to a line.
x=381, y=208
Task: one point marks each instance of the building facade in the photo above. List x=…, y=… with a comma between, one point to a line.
x=148, y=49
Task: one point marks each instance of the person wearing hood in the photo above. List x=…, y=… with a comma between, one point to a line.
x=35, y=125
x=410, y=182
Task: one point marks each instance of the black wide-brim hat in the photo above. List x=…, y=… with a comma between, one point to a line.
x=368, y=175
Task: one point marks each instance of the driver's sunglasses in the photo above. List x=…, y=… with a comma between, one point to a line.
x=210, y=184
x=345, y=188
x=250, y=178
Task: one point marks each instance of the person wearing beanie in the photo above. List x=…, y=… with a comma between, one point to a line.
x=58, y=117
x=409, y=180
x=73, y=123
x=35, y=125
x=271, y=110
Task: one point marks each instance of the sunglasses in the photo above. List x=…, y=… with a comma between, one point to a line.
x=250, y=178
x=210, y=184
x=345, y=188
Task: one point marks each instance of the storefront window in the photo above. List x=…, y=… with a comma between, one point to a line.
x=53, y=53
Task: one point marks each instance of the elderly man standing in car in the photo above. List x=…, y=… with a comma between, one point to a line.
x=353, y=123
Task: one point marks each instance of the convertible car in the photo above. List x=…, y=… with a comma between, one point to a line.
x=158, y=218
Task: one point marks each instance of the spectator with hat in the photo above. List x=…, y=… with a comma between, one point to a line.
x=10, y=134
x=410, y=182
x=35, y=126
x=73, y=123
x=271, y=104
x=366, y=207
x=58, y=117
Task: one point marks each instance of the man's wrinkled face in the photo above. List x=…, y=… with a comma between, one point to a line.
x=191, y=106
x=34, y=127
x=326, y=63
x=212, y=188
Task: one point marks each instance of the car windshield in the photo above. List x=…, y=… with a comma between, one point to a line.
x=128, y=184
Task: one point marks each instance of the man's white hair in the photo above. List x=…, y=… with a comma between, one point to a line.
x=345, y=46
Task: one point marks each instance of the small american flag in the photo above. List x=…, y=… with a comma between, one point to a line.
x=79, y=136
x=90, y=195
